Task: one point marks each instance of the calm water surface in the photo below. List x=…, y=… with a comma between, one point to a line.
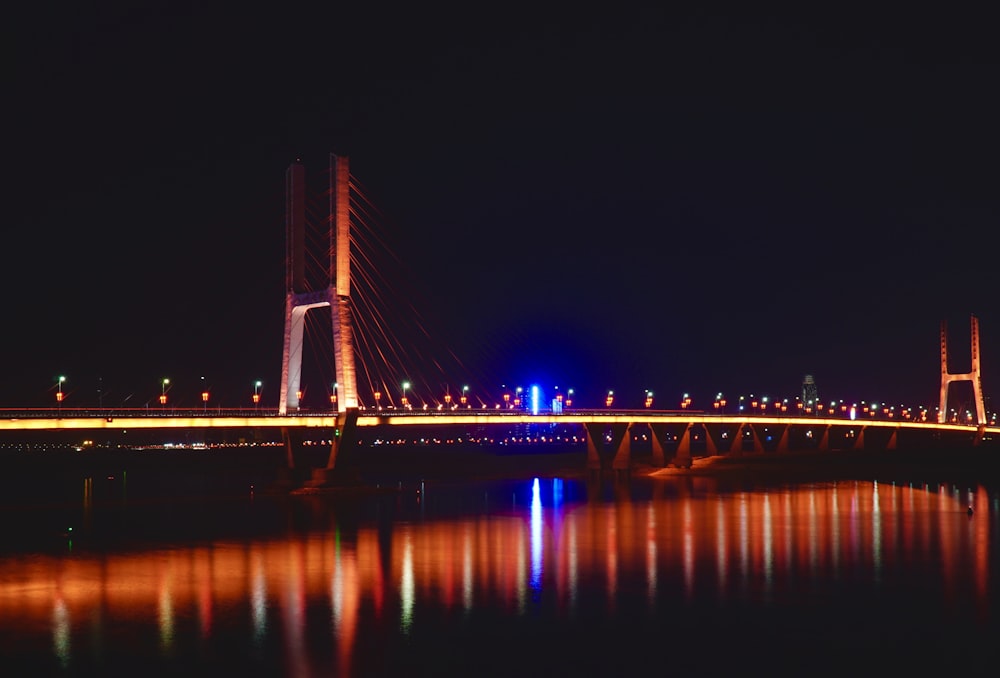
x=674, y=576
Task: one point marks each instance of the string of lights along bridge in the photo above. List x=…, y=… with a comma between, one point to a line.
x=333, y=302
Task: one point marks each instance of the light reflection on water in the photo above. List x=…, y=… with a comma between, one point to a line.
x=329, y=601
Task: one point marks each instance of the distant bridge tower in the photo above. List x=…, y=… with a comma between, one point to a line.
x=975, y=375
x=301, y=298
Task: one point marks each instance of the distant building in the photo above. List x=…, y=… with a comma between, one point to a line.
x=810, y=394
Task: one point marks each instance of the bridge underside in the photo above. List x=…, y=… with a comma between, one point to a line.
x=617, y=447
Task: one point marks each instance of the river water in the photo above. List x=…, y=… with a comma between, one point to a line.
x=152, y=572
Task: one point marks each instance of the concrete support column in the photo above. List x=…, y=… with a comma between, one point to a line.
x=593, y=451
x=623, y=455
x=682, y=457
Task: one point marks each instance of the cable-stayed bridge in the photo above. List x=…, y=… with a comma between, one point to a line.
x=332, y=300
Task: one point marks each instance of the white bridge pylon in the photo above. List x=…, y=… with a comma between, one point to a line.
x=299, y=300
x=974, y=375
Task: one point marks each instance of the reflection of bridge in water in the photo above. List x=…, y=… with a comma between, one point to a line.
x=681, y=541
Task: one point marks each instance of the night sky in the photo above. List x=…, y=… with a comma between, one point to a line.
x=675, y=200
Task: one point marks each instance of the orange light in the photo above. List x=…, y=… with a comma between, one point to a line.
x=204, y=396
x=256, y=398
x=59, y=396
x=163, y=399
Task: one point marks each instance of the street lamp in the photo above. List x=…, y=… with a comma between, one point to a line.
x=378, y=397
x=256, y=394
x=610, y=399
x=405, y=402
x=465, y=396
x=163, y=391
x=59, y=391
x=569, y=398
x=333, y=395
x=204, y=395
x=649, y=399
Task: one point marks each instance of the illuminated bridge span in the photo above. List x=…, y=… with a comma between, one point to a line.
x=720, y=433
x=328, y=285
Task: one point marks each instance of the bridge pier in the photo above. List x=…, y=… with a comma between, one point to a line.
x=622, y=462
x=658, y=434
x=338, y=468
x=594, y=463
x=682, y=457
x=746, y=430
x=783, y=440
x=620, y=442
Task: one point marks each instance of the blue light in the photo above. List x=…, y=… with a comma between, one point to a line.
x=535, y=581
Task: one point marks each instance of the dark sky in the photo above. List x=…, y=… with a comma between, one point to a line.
x=676, y=200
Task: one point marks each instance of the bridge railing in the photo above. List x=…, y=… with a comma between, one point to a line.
x=263, y=412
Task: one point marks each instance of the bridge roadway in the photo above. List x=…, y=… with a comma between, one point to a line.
x=50, y=420
x=597, y=424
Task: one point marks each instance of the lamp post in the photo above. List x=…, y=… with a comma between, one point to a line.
x=649, y=399
x=609, y=399
x=204, y=395
x=378, y=397
x=465, y=396
x=405, y=401
x=256, y=394
x=333, y=395
x=569, y=398
x=59, y=392
x=163, y=391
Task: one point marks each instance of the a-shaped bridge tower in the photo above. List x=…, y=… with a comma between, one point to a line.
x=303, y=294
